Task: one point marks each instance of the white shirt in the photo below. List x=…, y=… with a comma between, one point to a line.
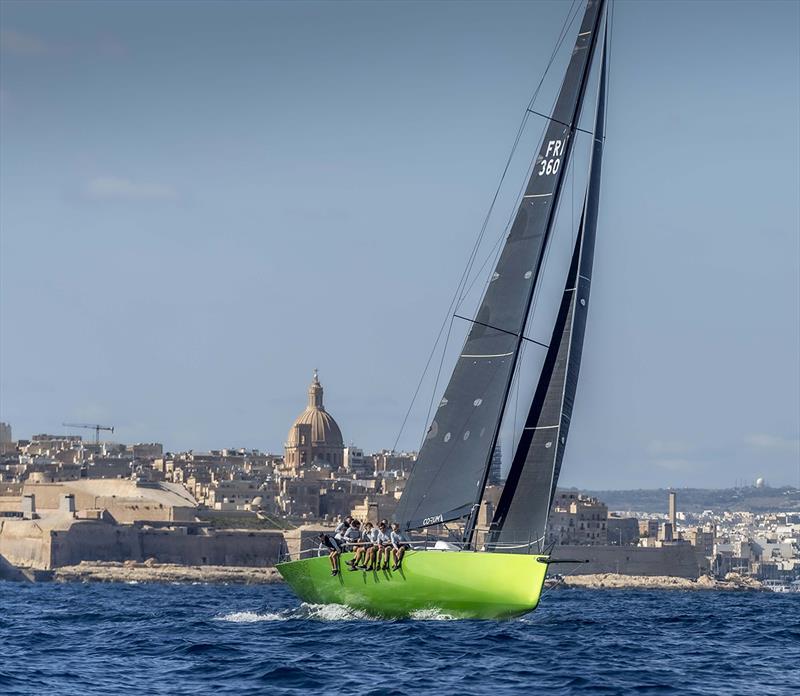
x=397, y=538
x=341, y=528
x=352, y=535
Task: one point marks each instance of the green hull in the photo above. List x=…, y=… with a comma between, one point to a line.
x=462, y=584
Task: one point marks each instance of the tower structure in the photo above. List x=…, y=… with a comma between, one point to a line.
x=314, y=439
x=673, y=511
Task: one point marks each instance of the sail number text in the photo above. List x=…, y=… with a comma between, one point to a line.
x=432, y=520
x=552, y=158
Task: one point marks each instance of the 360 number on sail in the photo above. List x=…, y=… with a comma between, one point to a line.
x=550, y=164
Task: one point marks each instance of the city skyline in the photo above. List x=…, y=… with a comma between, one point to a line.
x=194, y=218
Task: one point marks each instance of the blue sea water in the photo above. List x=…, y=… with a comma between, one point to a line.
x=214, y=639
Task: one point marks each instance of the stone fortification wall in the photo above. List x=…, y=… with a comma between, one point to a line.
x=302, y=542
x=126, y=501
x=65, y=541
x=223, y=548
x=24, y=544
x=677, y=561
x=93, y=541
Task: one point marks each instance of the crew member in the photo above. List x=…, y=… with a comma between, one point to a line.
x=341, y=528
x=399, y=545
x=384, y=545
x=351, y=539
x=371, y=540
x=334, y=549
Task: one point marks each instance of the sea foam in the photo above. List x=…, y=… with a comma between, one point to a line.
x=306, y=612
x=326, y=612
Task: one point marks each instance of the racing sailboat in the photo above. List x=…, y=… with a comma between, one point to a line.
x=503, y=575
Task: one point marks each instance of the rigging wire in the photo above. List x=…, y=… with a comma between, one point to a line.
x=459, y=295
x=438, y=376
x=494, y=252
x=531, y=165
x=609, y=44
x=497, y=246
x=572, y=208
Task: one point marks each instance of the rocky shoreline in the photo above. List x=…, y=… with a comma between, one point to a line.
x=614, y=581
x=149, y=571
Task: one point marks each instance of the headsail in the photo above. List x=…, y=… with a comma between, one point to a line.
x=524, y=505
x=448, y=479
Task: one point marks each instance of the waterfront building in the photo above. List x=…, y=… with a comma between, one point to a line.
x=233, y=494
x=666, y=532
x=577, y=519
x=146, y=450
x=648, y=529
x=387, y=461
x=622, y=531
x=374, y=508
x=299, y=497
x=356, y=463
x=496, y=467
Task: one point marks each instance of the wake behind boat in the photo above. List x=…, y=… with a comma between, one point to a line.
x=502, y=573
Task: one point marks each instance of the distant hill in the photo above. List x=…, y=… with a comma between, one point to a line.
x=749, y=499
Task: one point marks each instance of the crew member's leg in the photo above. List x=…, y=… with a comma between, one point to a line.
x=387, y=554
x=398, y=556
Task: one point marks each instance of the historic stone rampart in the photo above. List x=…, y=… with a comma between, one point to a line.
x=60, y=540
x=677, y=561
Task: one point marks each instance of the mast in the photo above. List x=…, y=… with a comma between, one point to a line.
x=530, y=487
x=450, y=475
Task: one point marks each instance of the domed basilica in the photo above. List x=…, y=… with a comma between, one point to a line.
x=314, y=438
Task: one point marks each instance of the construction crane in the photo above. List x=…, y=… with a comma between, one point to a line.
x=91, y=426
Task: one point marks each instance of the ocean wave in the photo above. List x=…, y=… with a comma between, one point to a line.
x=253, y=639
x=250, y=617
x=305, y=612
x=432, y=614
x=327, y=612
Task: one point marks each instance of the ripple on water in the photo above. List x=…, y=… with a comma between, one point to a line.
x=183, y=640
x=313, y=612
x=327, y=612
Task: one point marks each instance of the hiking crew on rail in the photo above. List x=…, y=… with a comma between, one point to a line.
x=373, y=547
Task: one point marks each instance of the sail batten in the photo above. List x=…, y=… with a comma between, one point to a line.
x=450, y=473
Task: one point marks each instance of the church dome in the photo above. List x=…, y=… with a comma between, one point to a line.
x=325, y=431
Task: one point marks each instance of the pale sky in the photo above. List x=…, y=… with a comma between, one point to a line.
x=202, y=202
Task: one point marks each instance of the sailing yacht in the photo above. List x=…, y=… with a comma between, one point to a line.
x=502, y=576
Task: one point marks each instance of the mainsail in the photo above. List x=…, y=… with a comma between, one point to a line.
x=450, y=474
x=520, y=520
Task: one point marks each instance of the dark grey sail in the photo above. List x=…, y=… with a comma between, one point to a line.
x=520, y=520
x=449, y=476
